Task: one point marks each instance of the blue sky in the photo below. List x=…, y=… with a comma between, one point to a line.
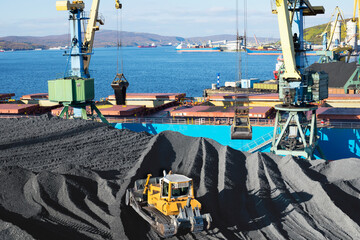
x=186, y=18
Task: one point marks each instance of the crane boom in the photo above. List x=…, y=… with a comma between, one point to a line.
x=90, y=33
x=287, y=42
x=257, y=42
x=356, y=7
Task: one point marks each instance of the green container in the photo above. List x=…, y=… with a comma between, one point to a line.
x=71, y=90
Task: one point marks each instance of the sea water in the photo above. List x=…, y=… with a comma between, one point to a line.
x=148, y=70
x=162, y=69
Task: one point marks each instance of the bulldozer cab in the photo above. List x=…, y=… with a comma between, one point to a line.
x=176, y=186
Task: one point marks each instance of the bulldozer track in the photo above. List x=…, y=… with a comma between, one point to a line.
x=79, y=227
x=157, y=215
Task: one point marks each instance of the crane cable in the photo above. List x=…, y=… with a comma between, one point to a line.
x=118, y=42
x=245, y=40
x=238, y=48
x=246, y=57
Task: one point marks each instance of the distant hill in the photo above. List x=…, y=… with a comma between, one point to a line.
x=30, y=43
x=103, y=38
x=9, y=45
x=108, y=38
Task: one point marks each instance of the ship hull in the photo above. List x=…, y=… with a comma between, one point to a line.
x=146, y=46
x=215, y=49
x=273, y=52
x=263, y=52
x=332, y=140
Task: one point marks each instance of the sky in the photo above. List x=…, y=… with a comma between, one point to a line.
x=185, y=18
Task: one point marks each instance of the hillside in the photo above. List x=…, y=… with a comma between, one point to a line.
x=108, y=38
x=9, y=45
x=104, y=38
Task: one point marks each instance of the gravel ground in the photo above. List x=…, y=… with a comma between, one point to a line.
x=66, y=179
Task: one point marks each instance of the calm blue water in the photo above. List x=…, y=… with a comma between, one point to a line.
x=159, y=69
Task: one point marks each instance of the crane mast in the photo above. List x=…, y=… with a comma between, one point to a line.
x=90, y=33
x=295, y=133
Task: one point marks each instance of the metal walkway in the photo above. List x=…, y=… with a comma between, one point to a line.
x=257, y=144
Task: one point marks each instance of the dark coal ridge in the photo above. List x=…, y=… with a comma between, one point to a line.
x=339, y=72
x=250, y=196
x=47, y=142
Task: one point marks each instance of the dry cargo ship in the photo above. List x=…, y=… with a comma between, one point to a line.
x=197, y=48
x=148, y=46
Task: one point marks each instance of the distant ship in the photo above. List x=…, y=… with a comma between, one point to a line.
x=147, y=46
x=273, y=51
x=59, y=48
x=166, y=45
x=280, y=62
x=196, y=48
x=263, y=51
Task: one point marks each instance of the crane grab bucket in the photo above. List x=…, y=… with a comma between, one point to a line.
x=241, y=128
x=120, y=84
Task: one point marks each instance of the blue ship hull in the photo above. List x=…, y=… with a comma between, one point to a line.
x=336, y=143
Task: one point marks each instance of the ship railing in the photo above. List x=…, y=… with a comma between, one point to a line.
x=190, y=121
x=147, y=120
x=262, y=122
x=325, y=124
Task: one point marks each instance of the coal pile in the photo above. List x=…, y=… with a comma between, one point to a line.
x=339, y=72
x=66, y=179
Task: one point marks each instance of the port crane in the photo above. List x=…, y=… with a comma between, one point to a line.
x=76, y=88
x=337, y=51
x=295, y=130
x=355, y=77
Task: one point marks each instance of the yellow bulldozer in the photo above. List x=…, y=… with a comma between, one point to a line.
x=168, y=204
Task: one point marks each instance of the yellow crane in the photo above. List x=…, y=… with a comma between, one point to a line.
x=357, y=8
x=339, y=52
x=339, y=15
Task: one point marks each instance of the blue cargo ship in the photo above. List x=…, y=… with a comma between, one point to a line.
x=337, y=143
